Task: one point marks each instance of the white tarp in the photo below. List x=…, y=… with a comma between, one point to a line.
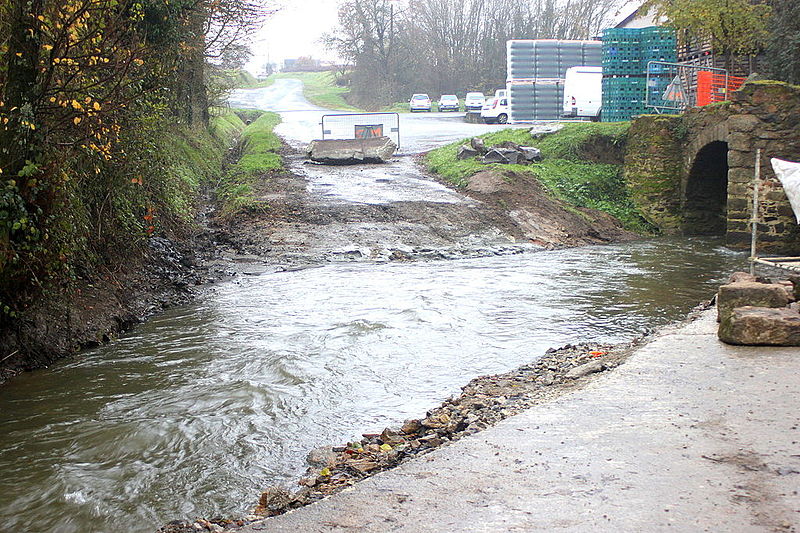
x=789, y=174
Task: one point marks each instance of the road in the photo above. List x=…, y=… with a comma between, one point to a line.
x=419, y=132
x=370, y=212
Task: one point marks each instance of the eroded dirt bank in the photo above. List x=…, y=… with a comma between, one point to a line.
x=315, y=214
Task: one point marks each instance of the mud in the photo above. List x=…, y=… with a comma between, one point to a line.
x=373, y=213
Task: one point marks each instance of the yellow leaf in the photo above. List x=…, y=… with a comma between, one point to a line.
x=325, y=472
x=97, y=106
x=47, y=47
x=76, y=120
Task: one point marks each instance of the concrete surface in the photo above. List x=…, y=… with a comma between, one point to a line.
x=688, y=435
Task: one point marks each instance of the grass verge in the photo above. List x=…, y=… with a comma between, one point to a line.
x=582, y=166
x=259, y=147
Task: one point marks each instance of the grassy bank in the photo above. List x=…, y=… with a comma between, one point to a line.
x=582, y=165
x=259, y=147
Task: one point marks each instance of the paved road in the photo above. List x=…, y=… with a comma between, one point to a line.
x=301, y=120
x=689, y=435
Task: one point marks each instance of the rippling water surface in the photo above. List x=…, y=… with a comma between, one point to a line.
x=195, y=412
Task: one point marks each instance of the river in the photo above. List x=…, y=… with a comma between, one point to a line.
x=197, y=411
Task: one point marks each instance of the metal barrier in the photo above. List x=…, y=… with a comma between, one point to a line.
x=675, y=87
x=361, y=126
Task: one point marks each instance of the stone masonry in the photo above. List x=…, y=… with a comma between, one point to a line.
x=663, y=150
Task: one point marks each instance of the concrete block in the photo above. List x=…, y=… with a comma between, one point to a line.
x=746, y=293
x=761, y=326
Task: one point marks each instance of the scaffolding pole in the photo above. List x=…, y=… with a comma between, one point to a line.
x=754, y=219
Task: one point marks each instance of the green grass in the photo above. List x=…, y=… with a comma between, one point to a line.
x=259, y=156
x=567, y=170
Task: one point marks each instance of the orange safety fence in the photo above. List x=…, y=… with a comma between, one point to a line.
x=713, y=87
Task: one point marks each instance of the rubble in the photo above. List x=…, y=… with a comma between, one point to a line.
x=507, y=152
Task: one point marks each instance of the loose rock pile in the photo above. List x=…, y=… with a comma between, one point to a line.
x=507, y=152
x=757, y=312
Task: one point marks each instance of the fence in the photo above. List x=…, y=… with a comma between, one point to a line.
x=675, y=87
x=361, y=126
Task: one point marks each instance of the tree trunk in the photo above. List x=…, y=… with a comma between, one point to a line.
x=192, y=94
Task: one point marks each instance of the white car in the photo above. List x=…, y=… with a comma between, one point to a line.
x=495, y=111
x=474, y=101
x=449, y=102
x=420, y=102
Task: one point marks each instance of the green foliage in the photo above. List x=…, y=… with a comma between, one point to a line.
x=734, y=26
x=259, y=156
x=783, y=51
x=565, y=170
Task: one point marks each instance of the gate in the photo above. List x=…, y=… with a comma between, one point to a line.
x=675, y=87
x=361, y=126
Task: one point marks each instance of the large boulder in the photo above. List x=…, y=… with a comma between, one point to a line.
x=466, y=152
x=530, y=154
x=749, y=293
x=352, y=151
x=478, y=145
x=502, y=155
x=761, y=326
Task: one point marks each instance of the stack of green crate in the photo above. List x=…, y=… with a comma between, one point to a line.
x=626, y=53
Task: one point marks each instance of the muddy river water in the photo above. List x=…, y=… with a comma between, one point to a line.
x=195, y=412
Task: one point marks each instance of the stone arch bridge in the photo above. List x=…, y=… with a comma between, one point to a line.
x=694, y=174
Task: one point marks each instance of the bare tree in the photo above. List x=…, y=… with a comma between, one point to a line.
x=449, y=46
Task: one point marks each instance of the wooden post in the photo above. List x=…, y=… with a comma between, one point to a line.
x=754, y=220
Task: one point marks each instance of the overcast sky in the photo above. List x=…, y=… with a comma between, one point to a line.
x=293, y=32
x=296, y=29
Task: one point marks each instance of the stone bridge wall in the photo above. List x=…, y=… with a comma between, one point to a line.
x=663, y=149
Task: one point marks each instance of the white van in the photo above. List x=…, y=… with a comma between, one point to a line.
x=583, y=92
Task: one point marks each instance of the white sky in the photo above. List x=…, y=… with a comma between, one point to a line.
x=296, y=29
x=294, y=32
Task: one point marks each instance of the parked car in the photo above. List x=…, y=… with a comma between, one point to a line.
x=474, y=101
x=495, y=110
x=420, y=102
x=583, y=92
x=449, y=102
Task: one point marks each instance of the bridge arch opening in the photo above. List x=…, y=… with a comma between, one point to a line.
x=706, y=198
